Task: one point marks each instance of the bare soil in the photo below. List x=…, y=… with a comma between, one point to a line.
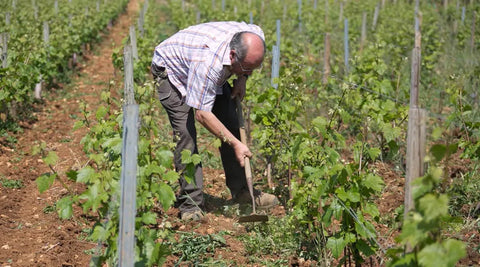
x=31, y=234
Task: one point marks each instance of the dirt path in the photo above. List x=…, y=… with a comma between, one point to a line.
x=30, y=232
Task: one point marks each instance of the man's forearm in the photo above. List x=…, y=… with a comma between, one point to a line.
x=211, y=122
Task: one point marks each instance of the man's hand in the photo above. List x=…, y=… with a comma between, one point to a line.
x=239, y=87
x=241, y=152
x=211, y=122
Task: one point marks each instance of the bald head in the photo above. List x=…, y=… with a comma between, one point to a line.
x=255, y=48
x=249, y=49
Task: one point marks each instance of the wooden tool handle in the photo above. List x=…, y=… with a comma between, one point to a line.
x=243, y=138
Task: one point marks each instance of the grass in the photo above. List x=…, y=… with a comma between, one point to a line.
x=465, y=195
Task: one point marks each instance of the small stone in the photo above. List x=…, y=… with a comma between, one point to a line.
x=6, y=247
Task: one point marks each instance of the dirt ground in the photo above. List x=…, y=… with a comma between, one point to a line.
x=31, y=233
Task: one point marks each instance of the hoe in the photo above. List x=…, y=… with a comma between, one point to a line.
x=254, y=217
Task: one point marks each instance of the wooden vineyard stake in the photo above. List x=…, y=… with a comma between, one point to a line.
x=416, y=135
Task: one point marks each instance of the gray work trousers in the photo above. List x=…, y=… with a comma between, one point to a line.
x=182, y=120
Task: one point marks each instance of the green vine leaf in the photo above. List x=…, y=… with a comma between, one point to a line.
x=149, y=218
x=364, y=247
x=165, y=194
x=433, y=207
x=373, y=182
x=64, y=207
x=336, y=245
x=86, y=175
x=99, y=233
x=171, y=176
x=45, y=181
x=51, y=159
x=443, y=254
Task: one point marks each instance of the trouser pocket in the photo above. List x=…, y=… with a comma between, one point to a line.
x=164, y=89
x=160, y=76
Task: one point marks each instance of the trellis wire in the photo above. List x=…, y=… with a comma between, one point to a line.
x=352, y=213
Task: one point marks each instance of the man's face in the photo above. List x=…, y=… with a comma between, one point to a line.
x=246, y=66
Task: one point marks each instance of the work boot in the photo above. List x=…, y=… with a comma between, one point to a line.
x=262, y=200
x=192, y=215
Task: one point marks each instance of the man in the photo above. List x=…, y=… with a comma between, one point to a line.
x=191, y=69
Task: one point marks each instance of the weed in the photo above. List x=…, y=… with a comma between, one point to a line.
x=84, y=234
x=50, y=208
x=211, y=160
x=17, y=159
x=465, y=195
x=195, y=248
x=9, y=139
x=66, y=140
x=12, y=184
x=272, y=238
x=91, y=251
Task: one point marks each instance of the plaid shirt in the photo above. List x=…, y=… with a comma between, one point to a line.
x=196, y=59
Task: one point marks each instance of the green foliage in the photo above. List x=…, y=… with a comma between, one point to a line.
x=31, y=60
x=103, y=146
x=194, y=249
x=45, y=181
x=421, y=231
x=155, y=177
x=276, y=237
x=464, y=195
x=12, y=184
x=327, y=137
x=322, y=139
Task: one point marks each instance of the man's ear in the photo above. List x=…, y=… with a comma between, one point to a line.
x=232, y=55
